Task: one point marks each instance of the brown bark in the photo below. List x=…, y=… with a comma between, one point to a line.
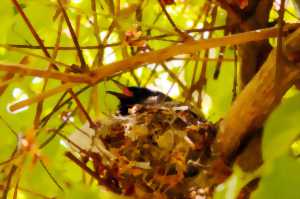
x=259, y=97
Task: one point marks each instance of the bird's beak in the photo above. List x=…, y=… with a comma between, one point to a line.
x=125, y=91
x=118, y=95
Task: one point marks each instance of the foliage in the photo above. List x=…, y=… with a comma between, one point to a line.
x=111, y=31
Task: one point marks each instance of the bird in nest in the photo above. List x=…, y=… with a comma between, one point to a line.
x=134, y=95
x=152, y=146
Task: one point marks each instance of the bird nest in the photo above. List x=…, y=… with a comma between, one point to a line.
x=153, y=151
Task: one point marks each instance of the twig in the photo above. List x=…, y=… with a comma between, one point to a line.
x=32, y=30
x=24, y=70
x=39, y=108
x=9, y=178
x=51, y=176
x=49, y=139
x=51, y=60
x=82, y=165
x=185, y=48
x=81, y=108
x=74, y=37
x=279, y=39
x=163, y=7
x=60, y=104
x=41, y=96
x=173, y=76
x=97, y=47
x=158, y=56
x=33, y=47
x=15, y=196
x=8, y=126
x=235, y=75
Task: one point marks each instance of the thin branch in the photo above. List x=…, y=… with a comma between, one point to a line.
x=60, y=104
x=32, y=30
x=74, y=37
x=33, y=47
x=24, y=70
x=82, y=109
x=97, y=47
x=39, y=108
x=163, y=7
x=51, y=60
x=51, y=176
x=185, y=48
x=9, y=126
x=158, y=56
x=279, y=38
x=42, y=96
x=82, y=165
x=235, y=75
x=8, y=181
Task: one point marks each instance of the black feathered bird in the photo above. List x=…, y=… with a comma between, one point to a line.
x=133, y=95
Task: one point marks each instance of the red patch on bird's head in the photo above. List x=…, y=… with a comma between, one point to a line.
x=127, y=92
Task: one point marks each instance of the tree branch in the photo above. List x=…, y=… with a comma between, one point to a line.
x=24, y=70
x=188, y=47
x=259, y=98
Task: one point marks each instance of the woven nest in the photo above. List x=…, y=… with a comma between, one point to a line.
x=152, y=152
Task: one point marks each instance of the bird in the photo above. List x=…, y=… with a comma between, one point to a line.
x=133, y=95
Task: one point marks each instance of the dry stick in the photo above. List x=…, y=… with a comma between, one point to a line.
x=42, y=96
x=96, y=47
x=82, y=165
x=80, y=106
x=279, y=38
x=205, y=59
x=258, y=99
x=26, y=71
x=174, y=76
x=158, y=56
x=60, y=104
x=9, y=178
x=199, y=85
x=100, y=53
x=13, y=154
x=96, y=25
x=36, y=36
x=235, y=75
x=39, y=108
x=220, y=59
x=15, y=196
x=34, y=33
x=50, y=60
x=34, y=47
x=56, y=131
x=50, y=175
x=185, y=48
x=153, y=71
x=74, y=37
x=163, y=7
x=205, y=10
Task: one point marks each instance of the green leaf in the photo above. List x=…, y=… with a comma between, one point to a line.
x=281, y=180
x=281, y=129
x=280, y=172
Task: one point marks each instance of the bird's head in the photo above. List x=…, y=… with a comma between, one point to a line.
x=129, y=96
